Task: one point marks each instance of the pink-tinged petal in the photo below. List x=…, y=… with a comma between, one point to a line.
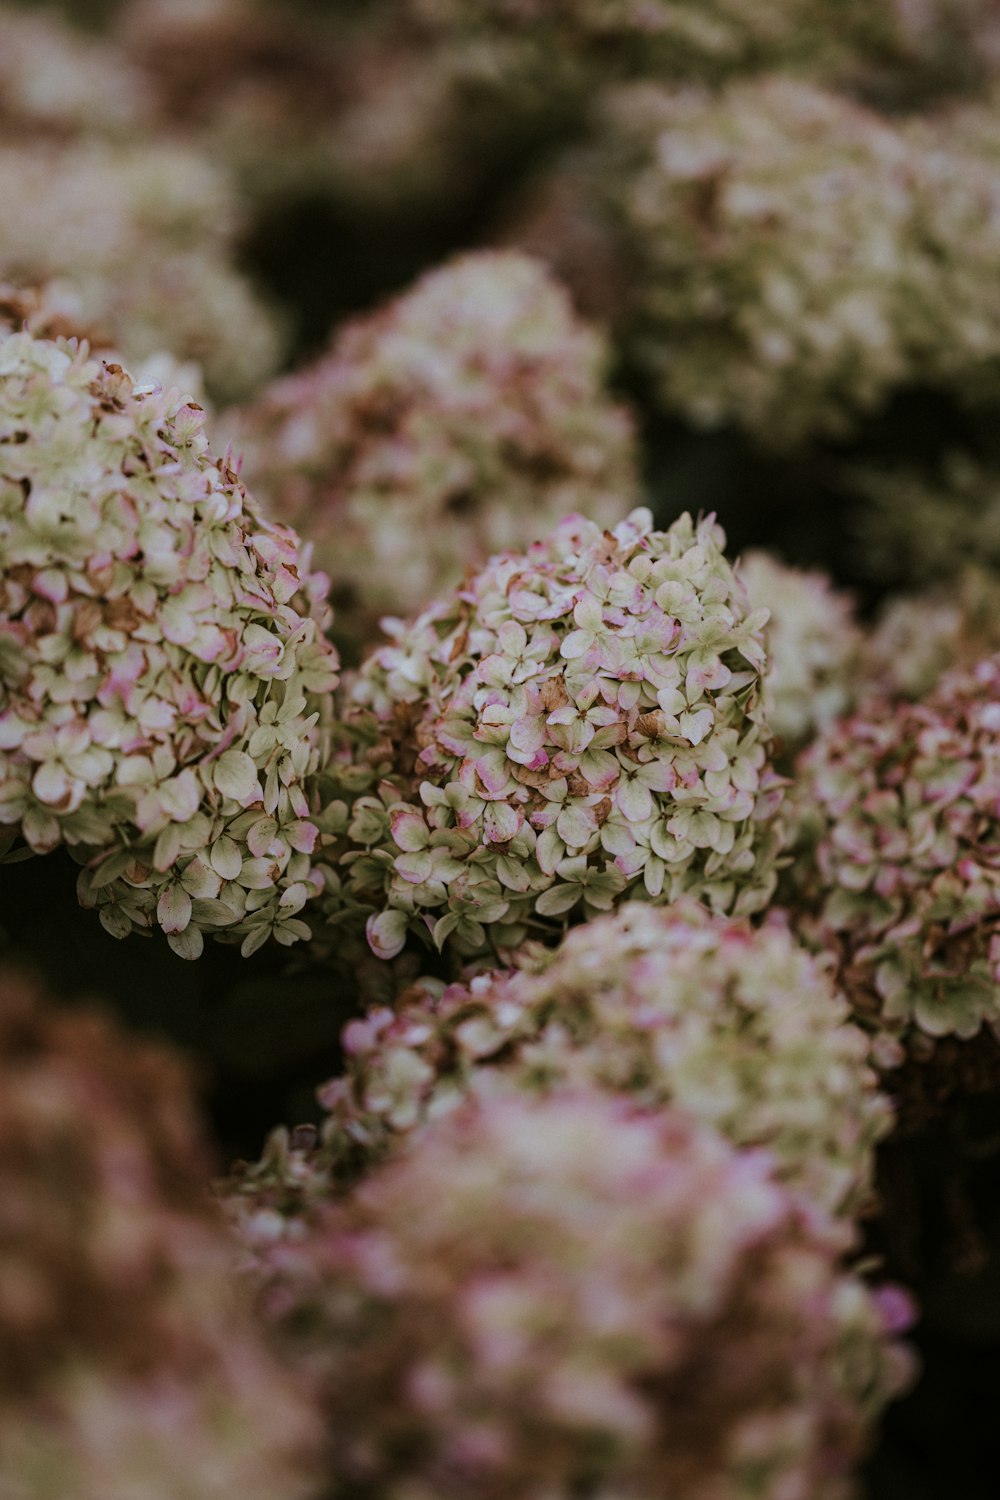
x=659, y=775
x=51, y=584
x=600, y=769
x=302, y=835
x=501, y=822
x=173, y=909
x=51, y=784
x=386, y=933
x=40, y=830
x=261, y=836
x=177, y=622
x=409, y=830
x=493, y=773
x=528, y=735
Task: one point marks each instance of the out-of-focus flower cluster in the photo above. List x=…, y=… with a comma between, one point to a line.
x=918, y=637
x=56, y=79
x=800, y=258
x=901, y=854
x=813, y=645
x=130, y=1365
x=561, y=1296
x=740, y=1028
x=463, y=417
x=162, y=660
x=578, y=721
x=669, y=38
x=141, y=238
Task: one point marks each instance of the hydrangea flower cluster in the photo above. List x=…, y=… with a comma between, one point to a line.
x=560, y=1296
x=162, y=658
x=899, y=815
x=130, y=1367
x=688, y=38
x=577, y=722
x=439, y=430
x=740, y=1028
x=800, y=258
x=813, y=645
x=58, y=79
x=143, y=237
x=918, y=637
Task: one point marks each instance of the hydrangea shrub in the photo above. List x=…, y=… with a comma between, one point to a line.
x=131, y=1365
x=561, y=1296
x=577, y=722
x=899, y=827
x=461, y=417
x=740, y=1028
x=163, y=667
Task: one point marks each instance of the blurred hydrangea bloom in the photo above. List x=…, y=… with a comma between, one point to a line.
x=55, y=78
x=672, y=38
x=741, y=1028
x=162, y=660
x=898, y=811
x=917, y=637
x=460, y=419
x=561, y=1296
x=142, y=236
x=130, y=1366
x=577, y=721
x=813, y=645
x=800, y=258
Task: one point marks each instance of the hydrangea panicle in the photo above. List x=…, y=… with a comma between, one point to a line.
x=439, y=430
x=576, y=722
x=899, y=832
x=131, y=1366
x=740, y=1028
x=163, y=668
x=563, y=1296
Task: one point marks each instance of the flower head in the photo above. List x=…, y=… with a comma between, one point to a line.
x=130, y=1365
x=141, y=238
x=162, y=661
x=740, y=1028
x=577, y=722
x=560, y=1296
x=799, y=258
x=465, y=414
x=900, y=834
